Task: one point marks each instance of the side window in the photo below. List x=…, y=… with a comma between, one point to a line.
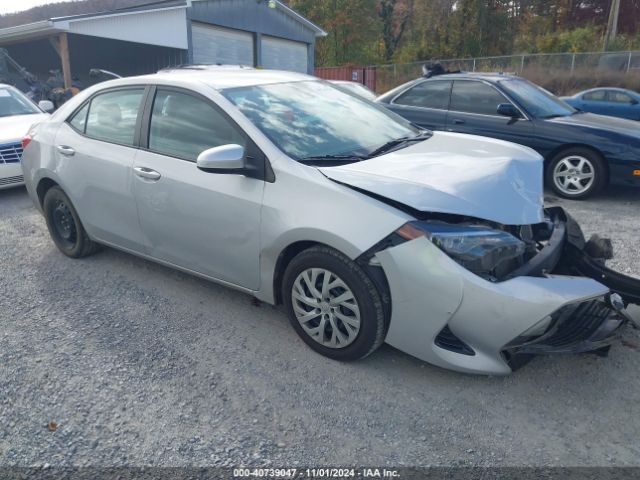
x=619, y=97
x=112, y=116
x=427, y=95
x=596, y=96
x=79, y=119
x=475, y=97
x=184, y=126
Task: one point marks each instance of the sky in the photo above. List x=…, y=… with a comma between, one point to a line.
x=10, y=6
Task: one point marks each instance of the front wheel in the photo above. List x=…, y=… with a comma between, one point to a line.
x=576, y=173
x=333, y=305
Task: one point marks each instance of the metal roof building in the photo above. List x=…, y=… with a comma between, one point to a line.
x=143, y=39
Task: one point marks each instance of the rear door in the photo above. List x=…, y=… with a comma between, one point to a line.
x=95, y=149
x=473, y=109
x=424, y=104
x=208, y=223
x=596, y=101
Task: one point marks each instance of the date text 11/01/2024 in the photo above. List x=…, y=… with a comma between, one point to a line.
x=315, y=473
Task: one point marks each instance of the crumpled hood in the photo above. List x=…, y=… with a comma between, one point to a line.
x=457, y=174
x=15, y=127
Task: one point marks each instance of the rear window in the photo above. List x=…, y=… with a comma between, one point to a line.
x=113, y=115
x=597, y=96
x=427, y=95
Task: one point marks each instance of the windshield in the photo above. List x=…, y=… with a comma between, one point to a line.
x=313, y=119
x=537, y=101
x=13, y=102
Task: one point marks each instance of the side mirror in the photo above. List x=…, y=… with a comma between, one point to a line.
x=46, y=105
x=222, y=159
x=508, y=110
x=634, y=101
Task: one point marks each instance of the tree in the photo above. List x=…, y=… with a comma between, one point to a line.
x=395, y=15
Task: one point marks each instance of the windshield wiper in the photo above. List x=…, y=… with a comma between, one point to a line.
x=554, y=115
x=399, y=141
x=325, y=159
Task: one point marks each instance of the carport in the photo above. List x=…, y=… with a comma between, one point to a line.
x=144, y=39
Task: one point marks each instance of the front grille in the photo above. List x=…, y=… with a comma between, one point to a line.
x=446, y=339
x=11, y=180
x=577, y=322
x=10, y=153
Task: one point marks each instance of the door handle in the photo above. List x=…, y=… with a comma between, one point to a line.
x=144, y=172
x=66, y=150
x=457, y=121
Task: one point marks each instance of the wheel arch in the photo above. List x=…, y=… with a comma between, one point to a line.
x=283, y=260
x=376, y=274
x=567, y=146
x=44, y=184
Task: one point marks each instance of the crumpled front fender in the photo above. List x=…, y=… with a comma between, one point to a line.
x=429, y=290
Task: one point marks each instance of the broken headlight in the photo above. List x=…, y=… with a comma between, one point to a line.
x=483, y=250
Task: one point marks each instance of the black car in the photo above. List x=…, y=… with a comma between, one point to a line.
x=583, y=152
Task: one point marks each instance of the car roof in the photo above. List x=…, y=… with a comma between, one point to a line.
x=492, y=77
x=219, y=76
x=615, y=89
x=489, y=76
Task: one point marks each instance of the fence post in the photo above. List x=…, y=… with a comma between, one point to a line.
x=573, y=62
x=629, y=62
x=522, y=65
x=474, y=65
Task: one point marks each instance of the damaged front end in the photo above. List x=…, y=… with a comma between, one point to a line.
x=586, y=326
x=516, y=291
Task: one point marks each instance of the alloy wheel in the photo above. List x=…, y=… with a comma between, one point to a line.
x=574, y=175
x=326, y=308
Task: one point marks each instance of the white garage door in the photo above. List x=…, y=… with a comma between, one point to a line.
x=221, y=45
x=281, y=54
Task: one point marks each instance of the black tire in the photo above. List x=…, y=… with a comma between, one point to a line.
x=596, y=164
x=372, y=325
x=64, y=225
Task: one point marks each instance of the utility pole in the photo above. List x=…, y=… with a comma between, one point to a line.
x=612, y=24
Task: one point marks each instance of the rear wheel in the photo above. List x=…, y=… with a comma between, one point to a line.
x=576, y=173
x=64, y=225
x=333, y=305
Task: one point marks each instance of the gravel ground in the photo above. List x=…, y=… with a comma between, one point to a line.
x=140, y=365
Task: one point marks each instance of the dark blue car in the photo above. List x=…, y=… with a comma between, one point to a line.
x=583, y=152
x=616, y=102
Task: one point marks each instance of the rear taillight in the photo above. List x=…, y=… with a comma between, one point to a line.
x=25, y=141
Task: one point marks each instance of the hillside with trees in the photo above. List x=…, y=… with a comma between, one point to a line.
x=397, y=31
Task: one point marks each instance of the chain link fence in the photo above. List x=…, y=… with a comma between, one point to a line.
x=528, y=65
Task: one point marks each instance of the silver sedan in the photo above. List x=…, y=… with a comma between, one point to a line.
x=365, y=227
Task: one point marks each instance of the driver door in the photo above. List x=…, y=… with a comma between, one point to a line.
x=208, y=223
x=473, y=109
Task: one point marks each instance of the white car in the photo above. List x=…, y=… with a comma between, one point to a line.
x=364, y=227
x=17, y=115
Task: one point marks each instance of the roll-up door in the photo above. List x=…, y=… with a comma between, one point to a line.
x=281, y=54
x=221, y=45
